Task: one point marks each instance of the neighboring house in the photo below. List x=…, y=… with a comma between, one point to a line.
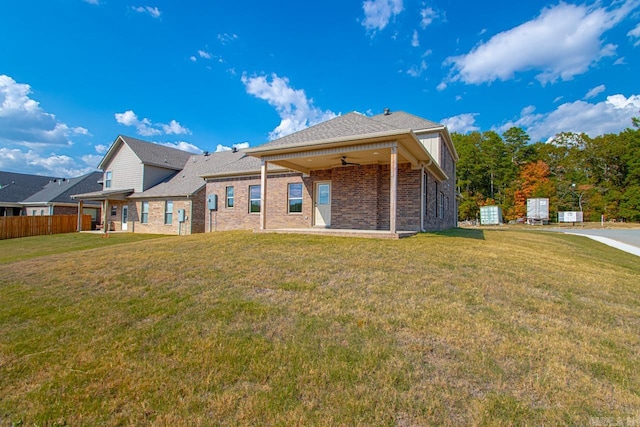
x=392, y=172
x=131, y=167
x=55, y=197
x=16, y=187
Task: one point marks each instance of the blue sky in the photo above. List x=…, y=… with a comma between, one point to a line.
x=207, y=75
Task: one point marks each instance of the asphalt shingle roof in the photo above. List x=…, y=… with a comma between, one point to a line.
x=156, y=154
x=60, y=190
x=15, y=187
x=353, y=124
x=189, y=180
x=402, y=120
x=350, y=124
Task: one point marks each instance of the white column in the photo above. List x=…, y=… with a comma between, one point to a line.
x=80, y=208
x=393, y=202
x=263, y=195
x=105, y=226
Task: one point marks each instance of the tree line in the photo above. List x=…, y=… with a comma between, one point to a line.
x=598, y=176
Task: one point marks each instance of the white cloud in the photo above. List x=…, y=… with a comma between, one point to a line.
x=92, y=160
x=204, y=54
x=175, y=128
x=441, y=86
x=239, y=146
x=182, y=145
x=101, y=148
x=226, y=38
x=595, y=92
x=14, y=159
x=574, y=31
x=193, y=58
x=296, y=111
x=417, y=70
x=415, y=41
x=145, y=127
x=635, y=34
x=610, y=116
x=461, y=123
x=151, y=11
x=377, y=13
x=92, y=1
x=428, y=15
x=23, y=122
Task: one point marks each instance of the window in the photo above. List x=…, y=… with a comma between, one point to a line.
x=107, y=179
x=114, y=211
x=168, y=212
x=41, y=212
x=254, y=198
x=441, y=205
x=144, y=217
x=230, y=197
x=295, y=198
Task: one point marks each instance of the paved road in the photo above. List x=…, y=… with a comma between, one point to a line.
x=627, y=240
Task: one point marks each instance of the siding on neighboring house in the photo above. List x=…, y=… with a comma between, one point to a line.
x=126, y=170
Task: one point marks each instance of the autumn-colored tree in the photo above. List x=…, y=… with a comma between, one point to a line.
x=533, y=182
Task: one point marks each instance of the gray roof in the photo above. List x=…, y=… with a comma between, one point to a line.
x=353, y=124
x=151, y=153
x=15, y=187
x=60, y=190
x=189, y=180
x=402, y=120
x=350, y=124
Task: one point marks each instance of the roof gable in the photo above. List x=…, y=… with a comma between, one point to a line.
x=149, y=153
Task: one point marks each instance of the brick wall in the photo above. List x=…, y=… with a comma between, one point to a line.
x=433, y=220
x=156, y=219
x=238, y=216
x=359, y=199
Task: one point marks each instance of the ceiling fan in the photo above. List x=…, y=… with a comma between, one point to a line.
x=345, y=163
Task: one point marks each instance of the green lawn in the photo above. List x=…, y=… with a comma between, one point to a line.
x=456, y=328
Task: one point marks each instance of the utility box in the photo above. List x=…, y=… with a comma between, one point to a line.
x=212, y=202
x=181, y=215
x=490, y=215
x=538, y=211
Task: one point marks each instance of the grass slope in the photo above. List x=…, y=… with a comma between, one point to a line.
x=464, y=327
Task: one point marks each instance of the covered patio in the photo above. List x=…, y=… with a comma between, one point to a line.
x=385, y=150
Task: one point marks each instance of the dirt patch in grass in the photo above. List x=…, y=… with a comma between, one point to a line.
x=462, y=327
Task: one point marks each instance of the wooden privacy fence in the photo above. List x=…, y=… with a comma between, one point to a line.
x=12, y=227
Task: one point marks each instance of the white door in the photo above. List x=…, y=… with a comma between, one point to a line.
x=125, y=215
x=323, y=204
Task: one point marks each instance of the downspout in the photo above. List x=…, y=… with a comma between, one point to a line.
x=190, y=214
x=422, y=201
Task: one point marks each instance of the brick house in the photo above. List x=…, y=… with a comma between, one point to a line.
x=55, y=197
x=151, y=188
x=393, y=172
x=131, y=167
x=16, y=187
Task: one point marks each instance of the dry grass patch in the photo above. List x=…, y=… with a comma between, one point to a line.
x=465, y=327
